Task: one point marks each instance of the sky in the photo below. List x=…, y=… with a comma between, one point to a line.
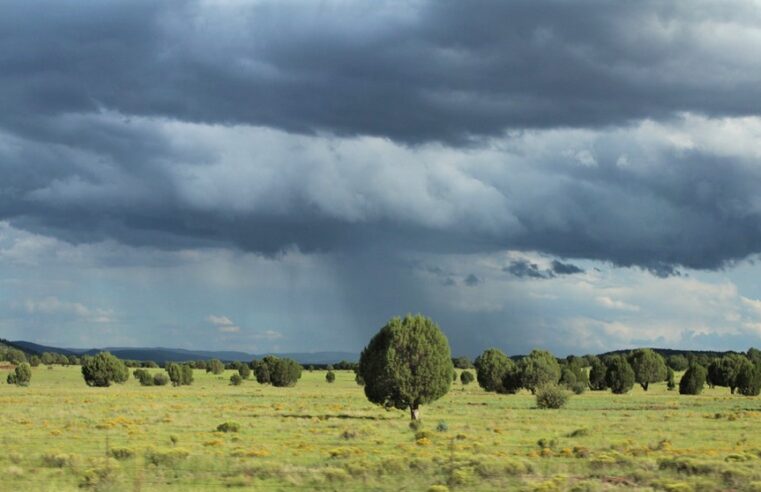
x=286, y=176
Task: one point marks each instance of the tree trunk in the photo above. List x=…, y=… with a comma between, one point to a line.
x=644, y=386
x=414, y=412
x=732, y=390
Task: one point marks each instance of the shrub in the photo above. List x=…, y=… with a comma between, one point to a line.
x=160, y=379
x=262, y=372
x=284, y=372
x=670, y=383
x=145, y=377
x=619, y=376
x=122, y=453
x=359, y=380
x=215, y=366
x=724, y=371
x=407, y=364
x=228, y=427
x=236, y=380
x=551, y=396
x=330, y=376
x=21, y=376
x=693, y=380
x=466, y=377
x=180, y=374
x=244, y=371
x=104, y=369
x=491, y=368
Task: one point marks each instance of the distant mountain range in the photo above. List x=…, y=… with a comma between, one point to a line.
x=163, y=354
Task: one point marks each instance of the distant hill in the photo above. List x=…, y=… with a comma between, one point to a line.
x=669, y=352
x=163, y=354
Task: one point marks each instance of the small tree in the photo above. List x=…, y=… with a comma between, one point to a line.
x=407, y=364
x=678, y=362
x=749, y=380
x=244, y=371
x=48, y=358
x=693, y=380
x=466, y=377
x=539, y=368
x=491, y=368
x=462, y=362
x=21, y=375
x=284, y=372
x=724, y=371
x=104, y=369
x=262, y=372
x=145, y=377
x=180, y=374
x=215, y=366
x=330, y=376
x=597, y=375
x=34, y=361
x=620, y=376
x=236, y=380
x=649, y=367
x=670, y=383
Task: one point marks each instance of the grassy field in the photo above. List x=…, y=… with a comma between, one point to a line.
x=59, y=434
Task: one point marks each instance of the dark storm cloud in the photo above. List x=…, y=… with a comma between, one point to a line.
x=560, y=268
x=525, y=269
x=471, y=280
x=85, y=90
x=444, y=71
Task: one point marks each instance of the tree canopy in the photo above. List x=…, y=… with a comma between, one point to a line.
x=407, y=364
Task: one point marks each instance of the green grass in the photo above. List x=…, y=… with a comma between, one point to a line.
x=59, y=434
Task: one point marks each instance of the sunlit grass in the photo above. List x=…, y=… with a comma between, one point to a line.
x=59, y=434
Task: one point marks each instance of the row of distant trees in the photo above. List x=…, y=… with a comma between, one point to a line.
x=105, y=369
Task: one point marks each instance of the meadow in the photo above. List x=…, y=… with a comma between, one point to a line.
x=59, y=434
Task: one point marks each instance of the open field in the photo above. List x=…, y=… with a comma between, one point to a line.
x=57, y=434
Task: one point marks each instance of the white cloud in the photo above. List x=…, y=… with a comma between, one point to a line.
x=53, y=306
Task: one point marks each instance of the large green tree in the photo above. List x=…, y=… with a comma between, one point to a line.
x=538, y=369
x=649, y=367
x=491, y=368
x=597, y=374
x=104, y=369
x=407, y=364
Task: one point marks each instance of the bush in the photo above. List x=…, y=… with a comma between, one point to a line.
x=143, y=376
x=619, y=376
x=236, y=380
x=466, y=377
x=215, y=366
x=160, y=379
x=244, y=371
x=285, y=372
x=104, y=369
x=180, y=374
x=228, y=427
x=358, y=379
x=693, y=380
x=21, y=376
x=551, y=396
x=262, y=372
x=330, y=376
